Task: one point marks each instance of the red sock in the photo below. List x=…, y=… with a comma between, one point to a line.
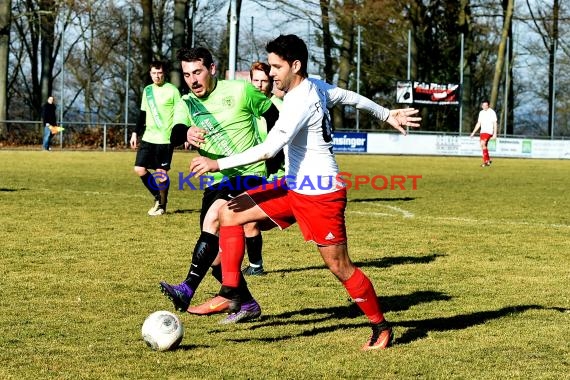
x=362, y=292
x=232, y=249
x=486, y=155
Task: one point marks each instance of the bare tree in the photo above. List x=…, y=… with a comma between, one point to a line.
x=5, y=19
x=500, y=63
x=327, y=40
x=96, y=49
x=146, y=38
x=90, y=69
x=34, y=24
x=49, y=9
x=436, y=33
x=178, y=37
x=465, y=23
x=347, y=51
x=547, y=26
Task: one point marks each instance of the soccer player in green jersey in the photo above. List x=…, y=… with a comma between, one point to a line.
x=155, y=124
x=222, y=116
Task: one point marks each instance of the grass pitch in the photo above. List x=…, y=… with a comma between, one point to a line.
x=472, y=268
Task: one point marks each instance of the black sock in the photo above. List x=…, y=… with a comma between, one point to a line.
x=242, y=289
x=254, y=245
x=233, y=295
x=163, y=194
x=204, y=254
x=152, y=188
x=217, y=272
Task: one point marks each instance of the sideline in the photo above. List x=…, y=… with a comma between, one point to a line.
x=409, y=215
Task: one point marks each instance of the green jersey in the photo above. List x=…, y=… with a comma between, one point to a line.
x=228, y=115
x=261, y=124
x=158, y=102
x=262, y=128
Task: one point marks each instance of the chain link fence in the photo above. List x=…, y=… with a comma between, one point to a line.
x=75, y=136
x=21, y=134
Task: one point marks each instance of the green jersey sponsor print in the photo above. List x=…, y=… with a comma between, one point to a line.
x=228, y=115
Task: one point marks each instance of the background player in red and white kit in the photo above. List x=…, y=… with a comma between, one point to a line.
x=487, y=121
x=313, y=195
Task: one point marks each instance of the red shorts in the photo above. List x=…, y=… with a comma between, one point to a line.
x=485, y=136
x=320, y=217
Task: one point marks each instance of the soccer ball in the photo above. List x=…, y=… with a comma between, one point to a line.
x=162, y=331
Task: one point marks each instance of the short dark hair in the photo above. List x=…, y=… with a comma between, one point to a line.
x=486, y=101
x=290, y=48
x=158, y=65
x=195, y=54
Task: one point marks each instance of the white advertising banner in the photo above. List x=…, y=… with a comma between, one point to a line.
x=391, y=143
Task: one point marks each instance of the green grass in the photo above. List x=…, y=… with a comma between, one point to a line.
x=473, y=270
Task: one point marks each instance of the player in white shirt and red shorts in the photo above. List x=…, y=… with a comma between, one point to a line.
x=312, y=193
x=487, y=121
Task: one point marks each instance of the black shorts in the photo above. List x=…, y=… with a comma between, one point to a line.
x=154, y=156
x=226, y=190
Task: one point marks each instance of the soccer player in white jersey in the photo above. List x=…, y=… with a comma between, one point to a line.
x=313, y=194
x=487, y=121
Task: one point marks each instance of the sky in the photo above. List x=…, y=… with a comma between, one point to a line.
x=269, y=24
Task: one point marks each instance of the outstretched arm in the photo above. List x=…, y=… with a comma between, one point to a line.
x=274, y=142
x=396, y=118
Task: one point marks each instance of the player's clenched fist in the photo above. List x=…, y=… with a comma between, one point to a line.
x=202, y=165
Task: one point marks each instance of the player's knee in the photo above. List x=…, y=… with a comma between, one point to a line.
x=343, y=271
x=225, y=215
x=161, y=176
x=251, y=229
x=140, y=170
x=211, y=223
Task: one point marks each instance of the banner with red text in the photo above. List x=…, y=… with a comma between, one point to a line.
x=413, y=92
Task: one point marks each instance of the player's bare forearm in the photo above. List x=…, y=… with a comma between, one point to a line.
x=477, y=126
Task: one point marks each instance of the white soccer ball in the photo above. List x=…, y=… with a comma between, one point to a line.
x=162, y=331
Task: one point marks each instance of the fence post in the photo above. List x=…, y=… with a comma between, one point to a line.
x=104, y=137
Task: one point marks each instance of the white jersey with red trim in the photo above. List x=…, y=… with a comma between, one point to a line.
x=304, y=132
x=487, y=118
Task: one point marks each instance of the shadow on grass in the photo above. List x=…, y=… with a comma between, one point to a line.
x=6, y=190
x=358, y=200
x=384, y=262
x=420, y=329
x=389, y=303
x=190, y=347
x=416, y=330
x=187, y=211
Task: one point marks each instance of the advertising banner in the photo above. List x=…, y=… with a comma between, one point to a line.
x=450, y=145
x=353, y=142
x=408, y=92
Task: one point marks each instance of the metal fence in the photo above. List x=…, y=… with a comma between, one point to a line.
x=75, y=136
x=114, y=136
